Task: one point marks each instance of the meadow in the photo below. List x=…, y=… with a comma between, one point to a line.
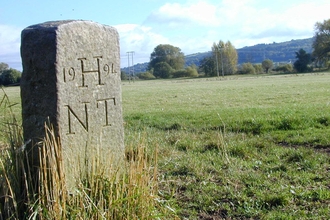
x=236, y=147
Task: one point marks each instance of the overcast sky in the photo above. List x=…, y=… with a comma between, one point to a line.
x=192, y=25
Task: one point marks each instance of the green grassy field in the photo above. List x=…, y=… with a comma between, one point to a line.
x=245, y=147
x=235, y=147
x=10, y=104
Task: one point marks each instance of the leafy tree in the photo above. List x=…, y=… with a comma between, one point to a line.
x=321, y=44
x=207, y=65
x=146, y=75
x=258, y=68
x=231, y=58
x=287, y=68
x=247, y=68
x=303, y=59
x=162, y=70
x=10, y=76
x=179, y=73
x=123, y=75
x=165, y=53
x=267, y=65
x=192, y=71
x=3, y=67
x=226, y=57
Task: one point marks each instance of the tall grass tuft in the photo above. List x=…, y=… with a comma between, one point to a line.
x=130, y=192
x=11, y=169
x=52, y=193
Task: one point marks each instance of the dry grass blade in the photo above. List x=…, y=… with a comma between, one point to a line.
x=7, y=194
x=52, y=192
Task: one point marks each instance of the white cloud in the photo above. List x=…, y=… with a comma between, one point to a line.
x=244, y=21
x=140, y=39
x=10, y=40
x=303, y=16
x=254, y=21
x=176, y=15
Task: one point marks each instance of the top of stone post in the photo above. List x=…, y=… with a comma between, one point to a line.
x=54, y=25
x=51, y=24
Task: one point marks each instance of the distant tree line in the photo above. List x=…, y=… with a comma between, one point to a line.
x=9, y=76
x=167, y=61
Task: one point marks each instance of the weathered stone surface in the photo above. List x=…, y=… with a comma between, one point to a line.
x=71, y=77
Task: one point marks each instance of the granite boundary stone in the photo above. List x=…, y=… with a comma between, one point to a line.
x=71, y=80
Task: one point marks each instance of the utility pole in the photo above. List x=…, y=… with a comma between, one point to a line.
x=129, y=77
x=132, y=53
x=129, y=69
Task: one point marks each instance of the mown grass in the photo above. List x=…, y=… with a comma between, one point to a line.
x=235, y=147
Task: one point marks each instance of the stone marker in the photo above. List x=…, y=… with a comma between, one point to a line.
x=71, y=78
